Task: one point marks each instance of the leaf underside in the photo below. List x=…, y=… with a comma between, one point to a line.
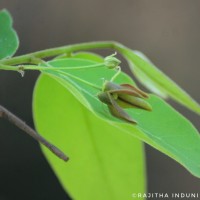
x=104, y=163
x=157, y=82
x=80, y=118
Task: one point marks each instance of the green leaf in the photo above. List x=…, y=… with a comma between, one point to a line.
x=163, y=128
x=104, y=163
x=156, y=81
x=8, y=38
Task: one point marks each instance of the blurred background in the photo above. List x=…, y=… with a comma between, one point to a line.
x=168, y=32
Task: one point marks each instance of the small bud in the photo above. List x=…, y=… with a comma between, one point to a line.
x=111, y=61
x=114, y=108
x=128, y=96
x=103, y=97
x=122, y=96
x=118, y=112
x=124, y=89
x=126, y=101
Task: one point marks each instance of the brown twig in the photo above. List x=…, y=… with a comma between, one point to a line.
x=4, y=113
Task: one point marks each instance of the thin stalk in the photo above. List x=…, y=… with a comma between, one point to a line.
x=117, y=74
x=75, y=77
x=36, y=67
x=81, y=80
x=4, y=113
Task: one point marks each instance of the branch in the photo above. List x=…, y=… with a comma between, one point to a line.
x=27, y=58
x=4, y=113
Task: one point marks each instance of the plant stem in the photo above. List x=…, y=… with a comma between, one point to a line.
x=36, y=67
x=4, y=113
x=27, y=58
x=117, y=74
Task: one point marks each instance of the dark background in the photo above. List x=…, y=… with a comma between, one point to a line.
x=167, y=31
